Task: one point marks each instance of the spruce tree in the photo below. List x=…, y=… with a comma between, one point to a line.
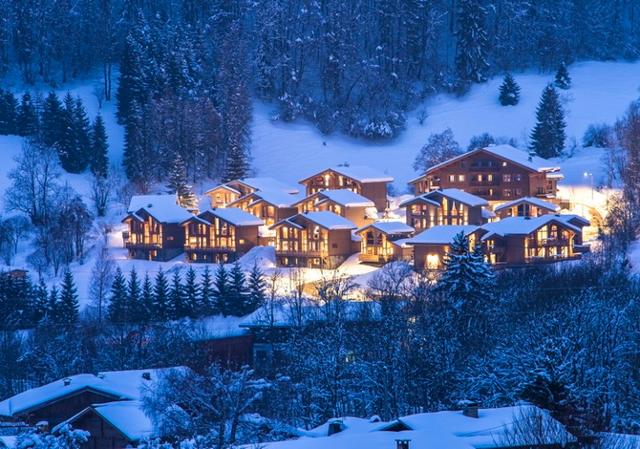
x=119, y=303
x=27, y=116
x=257, y=287
x=99, y=158
x=68, y=309
x=509, y=91
x=466, y=277
x=562, y=79
x=177, y=305
x=8, y=113
x=82, y=133
x=52, y=120
x=236, y=299
x=147, y=299
x=178, y=184
x=221, y=285
x=161, y=306
x=548, y=135
x=191, y=293
x=41, y=305
x=471, y=48
x=66, y=145
x=53, y=315
x=134, y=294
x=206, y=303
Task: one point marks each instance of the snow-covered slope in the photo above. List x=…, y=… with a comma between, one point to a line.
x=601, y=92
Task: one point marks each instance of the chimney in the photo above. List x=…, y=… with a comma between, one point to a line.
x=335, y=427
x=146, y=375
x=402, y=444
x=66, y=381
x=470, y=409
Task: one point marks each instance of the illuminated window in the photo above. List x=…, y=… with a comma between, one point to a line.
x=504, y=163
x=506, y=178
x=479, y=177
x=489, y=177
x=461, y=178
x=433, y=261
x=452, y=178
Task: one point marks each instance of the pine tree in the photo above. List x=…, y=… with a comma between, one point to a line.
x=8, y=113
x=256, y=285
x=466, y=277
x=191, y=293
x=236, y=299
x=161, y=306
x=177, y=303
x=509, y=91
x=119, y=301
x=82, y=133
x=136, y=312
x=206, y=303
x=221, y=285
x=147, y=304
x=41, y=305
x=471, y=49
x=27, y=116
x=53, y=315
x=178, y=185
x=562, y=79
x=67, y=144
x=99, y=158
x=68, y=309
x=52, y=120
x=548, y=136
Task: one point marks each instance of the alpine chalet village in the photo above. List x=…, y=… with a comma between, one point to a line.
x=502, y=199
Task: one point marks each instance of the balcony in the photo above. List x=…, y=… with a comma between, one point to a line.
x=143, y=245
x=300, y=253
x=484, y=168
x=476, y=183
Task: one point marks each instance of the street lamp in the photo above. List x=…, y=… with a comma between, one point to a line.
x=590, y=176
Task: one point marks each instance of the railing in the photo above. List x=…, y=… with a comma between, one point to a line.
x=150, y=245
x=475, y=182
x=484, y=168
x=301, y=253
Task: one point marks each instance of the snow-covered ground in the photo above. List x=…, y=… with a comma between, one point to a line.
x=600, y=93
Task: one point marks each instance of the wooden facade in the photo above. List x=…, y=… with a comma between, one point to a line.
x=525, y=207
x=383, y=242
x=319, y=201
x=211, y=238
x=489, y=175
x=269, y=210
x=223, y=195
x=437, y=208
x=151, y=239
x=102, y=434
x=304, y=242
x=371, y=187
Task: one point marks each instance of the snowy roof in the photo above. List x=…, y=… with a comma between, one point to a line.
x=458, y=195
x=119, y=384
x=360, y=173
x=441, y=235
x=235, y=216
x=127, y=417
x=531, y=200
x=164, y=208
x=347, y=198
x=573, y=219
x=282, y=313
x=224, y=186
x=524, y=225
x=389, y=227
x=507, y=152
x=487, y=213
x=420, y=198
x=217, y=327
x=327, y=220
x=277, y=198
x=262, y=183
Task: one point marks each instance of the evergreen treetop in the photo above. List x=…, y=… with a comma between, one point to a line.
x=548, y=135
x=509, y=91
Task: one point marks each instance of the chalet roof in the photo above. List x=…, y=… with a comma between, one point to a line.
x=573, y=219
x=328, y=220
x=458, y=195
x=531, y=200
x=236, y=216
x=277, y=198
x=226, y=187
x=164, y=208
x=119, y=384
x=127, y=417
x=487, y=213
x=441, y=235
x=419, y=199
x=389, y=227
x=347, y=198
x=524, y=225
x=503, y=151
x=359, y=173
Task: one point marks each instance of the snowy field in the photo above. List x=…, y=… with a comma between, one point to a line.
x=600, y=93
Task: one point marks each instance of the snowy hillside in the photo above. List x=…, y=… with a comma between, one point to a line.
x=601, y=92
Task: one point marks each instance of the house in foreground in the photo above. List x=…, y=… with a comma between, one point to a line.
x=385, y=241
x=224, y=194
x=154, y=227
x=526, y=207
x=220, y=235
x=346, y=203
x=314, y=240
x=362, y=180
x=431, y=246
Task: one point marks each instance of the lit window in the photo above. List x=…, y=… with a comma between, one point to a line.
x=452, y=178
x=433, y=261
x=506, y=178
x=461, y=178
x=489, y=177
x=479, y=177
x=504, y=163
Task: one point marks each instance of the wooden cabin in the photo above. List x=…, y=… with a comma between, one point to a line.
x=384, y=241
x=270, y=206
x=444, y=207
x=431, y=245
x=154, y=227
x=225, y=194
x=113, y=425
x=359, y=210
x=518, y=241
x=220, y=235
x=313, y=239
x=526, y=207
x=364, y=181
x=495, y=173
